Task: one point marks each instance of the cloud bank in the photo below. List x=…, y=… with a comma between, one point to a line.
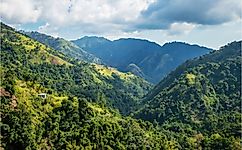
x=163, y=13
x=98, y=16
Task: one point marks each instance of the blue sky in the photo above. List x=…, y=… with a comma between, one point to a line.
x=210, y=23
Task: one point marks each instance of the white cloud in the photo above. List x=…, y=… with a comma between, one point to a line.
x=181, y=28
x=62, y=13
x=43, y=27
x=49, y=29
x=19, y=11
x=119, y=16
x=163, y=13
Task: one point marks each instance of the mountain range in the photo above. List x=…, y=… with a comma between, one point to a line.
x=34, y=61
x=141, y=57
x=95, y=106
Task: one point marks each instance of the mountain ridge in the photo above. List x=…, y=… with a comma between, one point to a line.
x=38, y=62
x=64, y=46
x=202, y=95
x=155, y=61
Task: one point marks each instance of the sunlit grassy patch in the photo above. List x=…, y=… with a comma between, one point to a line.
x=109, y=72
x=191, y=78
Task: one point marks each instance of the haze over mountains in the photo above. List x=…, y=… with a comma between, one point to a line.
x=141, y=57
x=93, y=106
x=136, y=75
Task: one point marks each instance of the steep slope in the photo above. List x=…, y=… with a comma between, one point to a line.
x=201, y=96
x=154, y=61
x=16, y=44
x=64, y=46
x=30, y=60
x=61, y=120
x=170, y=56
x=74, y=115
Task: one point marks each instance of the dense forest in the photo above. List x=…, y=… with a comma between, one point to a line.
x=91, y=106
x=202, y=96
x=29, y=60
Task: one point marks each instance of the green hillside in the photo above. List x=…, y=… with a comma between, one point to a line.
x=202, y=96
x=197, y=106
x=62, y=122
x=64, y=46
x=28, y=60
x=67, y=118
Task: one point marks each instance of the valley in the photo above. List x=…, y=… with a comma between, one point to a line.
x=121, y=94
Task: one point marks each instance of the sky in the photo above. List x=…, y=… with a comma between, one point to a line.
x=211, y=23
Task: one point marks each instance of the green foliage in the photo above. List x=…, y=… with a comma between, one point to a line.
x=70, y=123
x=196, y=107
x=62, y=121
x=32, y=61
x=202, y=95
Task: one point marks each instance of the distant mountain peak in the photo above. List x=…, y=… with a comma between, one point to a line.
x=94, y=38
x=183, y=44
x=154, y=61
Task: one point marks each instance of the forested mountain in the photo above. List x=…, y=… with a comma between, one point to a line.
x=202, y=96
x=67, y=118
x=71, y=123
x=64, y=46
x=142, y=57
x=26, y=59
x=197, y=106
